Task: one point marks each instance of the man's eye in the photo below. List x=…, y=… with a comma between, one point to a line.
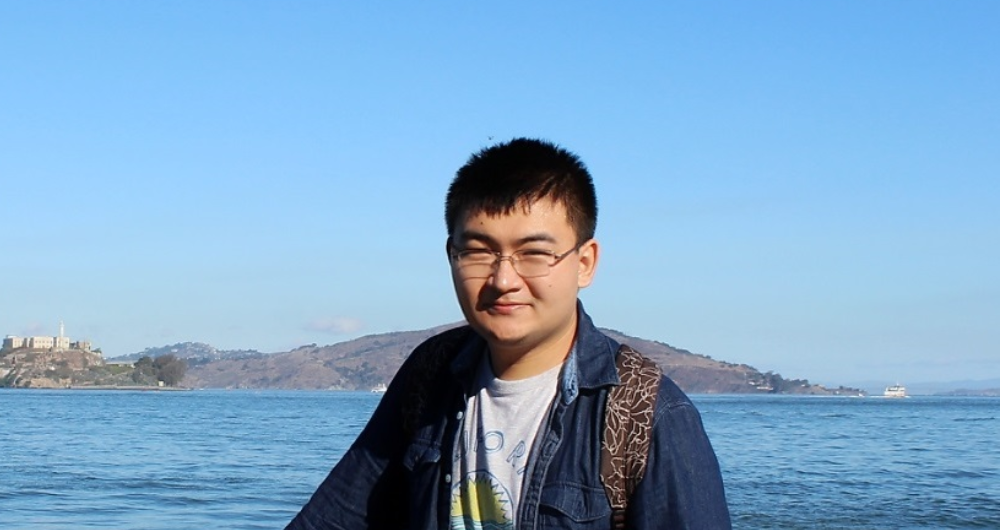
x=534, y=253
x=476, y=254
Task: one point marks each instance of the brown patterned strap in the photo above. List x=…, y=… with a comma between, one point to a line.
x=628, y=427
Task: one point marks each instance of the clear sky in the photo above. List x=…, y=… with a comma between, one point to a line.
x=811, y=188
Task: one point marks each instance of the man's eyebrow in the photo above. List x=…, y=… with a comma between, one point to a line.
x=473, y=235
x=541, y=237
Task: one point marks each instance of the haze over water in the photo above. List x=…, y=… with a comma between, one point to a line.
x=248, y=460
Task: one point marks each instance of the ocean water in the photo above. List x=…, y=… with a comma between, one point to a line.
x=248, y=460
x=820, y=462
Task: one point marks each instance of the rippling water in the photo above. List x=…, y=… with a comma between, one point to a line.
x=804, y=462
x=246, y=460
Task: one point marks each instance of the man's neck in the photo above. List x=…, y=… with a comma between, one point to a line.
x=513, y=362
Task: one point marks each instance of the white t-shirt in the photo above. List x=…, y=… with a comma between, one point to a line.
x=499, y=427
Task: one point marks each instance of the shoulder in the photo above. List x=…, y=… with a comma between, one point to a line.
x=424, y=376
x=669, y=394
x=434, y=352
x=449, y=338
x=670, y=399
x=676, y=418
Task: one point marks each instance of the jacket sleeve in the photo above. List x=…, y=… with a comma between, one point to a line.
x=682, y=486
x=368, y=477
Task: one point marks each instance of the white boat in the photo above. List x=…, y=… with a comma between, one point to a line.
x=379, y=388
x=895, y=391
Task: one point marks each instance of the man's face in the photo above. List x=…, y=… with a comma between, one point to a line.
x=519, y=314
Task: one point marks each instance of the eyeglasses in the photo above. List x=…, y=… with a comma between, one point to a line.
x=527, y=263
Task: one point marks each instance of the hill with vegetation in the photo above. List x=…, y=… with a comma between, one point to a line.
x=359, y=364
x=192, y=352
x=368, y=361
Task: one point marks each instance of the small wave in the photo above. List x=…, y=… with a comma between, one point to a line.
x=963, y=474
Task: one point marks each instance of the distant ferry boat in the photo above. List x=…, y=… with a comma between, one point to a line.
x=379, y=388
x=896, y=391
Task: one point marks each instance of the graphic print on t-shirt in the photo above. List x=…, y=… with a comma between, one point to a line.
x=480, y=502
x=499, y=427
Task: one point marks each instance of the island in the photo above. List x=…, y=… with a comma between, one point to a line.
x=59, y=362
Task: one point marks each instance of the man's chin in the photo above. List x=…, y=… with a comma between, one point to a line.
x=499, y=334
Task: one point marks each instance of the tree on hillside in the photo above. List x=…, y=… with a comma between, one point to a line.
x=144, y=372
x=167, y=368
x=170, y=369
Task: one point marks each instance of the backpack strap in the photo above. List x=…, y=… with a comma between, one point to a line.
x=628, y=428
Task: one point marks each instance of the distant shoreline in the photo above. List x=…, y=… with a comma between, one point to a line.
x=115, y=387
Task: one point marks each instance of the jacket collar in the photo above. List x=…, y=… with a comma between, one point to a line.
x=591, y=362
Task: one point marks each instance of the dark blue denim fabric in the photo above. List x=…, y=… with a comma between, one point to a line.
x=389, y=480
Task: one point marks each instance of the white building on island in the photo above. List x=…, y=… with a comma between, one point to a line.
x=62, y=342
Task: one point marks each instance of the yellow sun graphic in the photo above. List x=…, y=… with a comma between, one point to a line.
x=480, y=502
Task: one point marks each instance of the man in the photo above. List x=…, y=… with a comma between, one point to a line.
x=499, y=424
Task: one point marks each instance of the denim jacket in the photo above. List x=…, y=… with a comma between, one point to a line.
x=397, y=478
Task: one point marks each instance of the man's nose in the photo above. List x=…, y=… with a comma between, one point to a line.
x=504, y=275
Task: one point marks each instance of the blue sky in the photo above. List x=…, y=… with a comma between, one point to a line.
x=810, y=188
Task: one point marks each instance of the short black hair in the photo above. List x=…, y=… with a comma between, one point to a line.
x=522, y=171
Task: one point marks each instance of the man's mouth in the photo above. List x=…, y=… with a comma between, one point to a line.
x=504, y=308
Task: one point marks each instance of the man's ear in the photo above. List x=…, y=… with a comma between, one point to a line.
x=589, y=253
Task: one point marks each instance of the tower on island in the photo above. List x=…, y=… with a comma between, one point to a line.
x=59, y=343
